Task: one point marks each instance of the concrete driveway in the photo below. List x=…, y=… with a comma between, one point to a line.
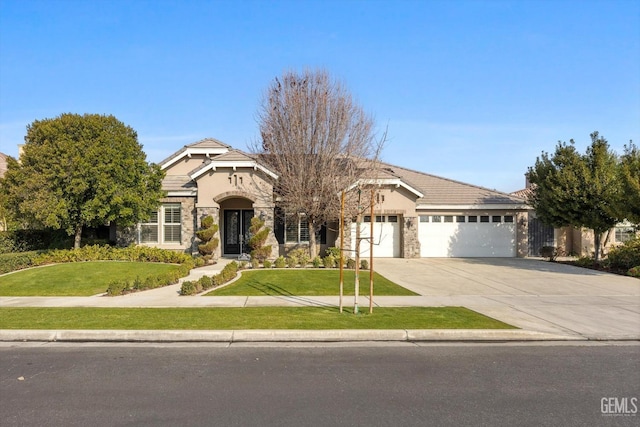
x=528, y=293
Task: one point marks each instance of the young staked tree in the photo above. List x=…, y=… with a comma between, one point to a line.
x=317, y=139
x=577, y=190
x=81, y=170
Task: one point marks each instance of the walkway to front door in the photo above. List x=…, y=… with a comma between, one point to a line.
x=236, y=230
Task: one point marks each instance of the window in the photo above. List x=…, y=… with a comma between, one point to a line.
x=296, y=229
x=392, y=218
x=424, y=218
x=172, y=223
x=460, y=218
x=473, y=218
x=508, y=218
x=624, y=234
x=436, y=218
x=164, y=226
x=484, y=218
x=149, y=229
x=367, y=218
x=496, y=218
x=448, y=218
x=380, y=218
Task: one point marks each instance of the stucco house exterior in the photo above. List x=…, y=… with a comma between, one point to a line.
x=416, y=214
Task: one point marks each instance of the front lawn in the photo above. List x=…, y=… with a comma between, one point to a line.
x=311, y=318
x=76, y=278
x=306, y=282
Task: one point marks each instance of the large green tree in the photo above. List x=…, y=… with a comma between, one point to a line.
x=576, y=189
x=629, y=202
x=81, y=170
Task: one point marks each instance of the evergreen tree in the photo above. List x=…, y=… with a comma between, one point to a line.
x=259, y=234
x=577, y=190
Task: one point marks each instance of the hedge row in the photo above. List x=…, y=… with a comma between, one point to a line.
x=121, y=287
x=18, y=261
x=207, y=282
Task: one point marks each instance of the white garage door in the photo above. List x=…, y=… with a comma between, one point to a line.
x=386, y=236
x=467, y=236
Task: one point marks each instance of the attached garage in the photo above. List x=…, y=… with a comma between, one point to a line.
x=386, y=236
x=471, y=236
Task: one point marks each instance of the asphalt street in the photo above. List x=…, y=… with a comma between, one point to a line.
x=579, y=384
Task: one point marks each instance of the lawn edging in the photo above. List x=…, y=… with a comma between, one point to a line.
x=275, y=336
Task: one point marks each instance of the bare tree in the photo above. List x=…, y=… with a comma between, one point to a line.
x=320, y=142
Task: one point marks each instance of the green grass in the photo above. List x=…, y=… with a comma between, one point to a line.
x=306, y=282
x=244, y=318
x=76, y=278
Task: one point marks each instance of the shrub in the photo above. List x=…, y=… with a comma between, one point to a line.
x=255, y=263
x=242, y=265
x=329, y=261
x=292, y=261
x=17, y=261
x=206, y=234
x=634, y=272
x=206, y=282
x=301, y=255
x=199, y=261
x=625, y=256
x=266, y=263
x=550, y=252
x=351, y=264
x=317, y=262
x=117, y=287
x=259, y=234
x=334, y=252
x=188, y=288
x=280, y=262
x=364, y=264
x=303, y=259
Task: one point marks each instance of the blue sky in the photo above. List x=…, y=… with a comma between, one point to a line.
x=469, y=90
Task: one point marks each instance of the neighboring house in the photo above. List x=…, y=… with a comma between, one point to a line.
x=3, y=164
x=570, y=240
x=416, y=215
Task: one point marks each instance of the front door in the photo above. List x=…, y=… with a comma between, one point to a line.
x=236, y=230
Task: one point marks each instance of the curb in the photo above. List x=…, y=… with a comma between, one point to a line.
x=287, y=335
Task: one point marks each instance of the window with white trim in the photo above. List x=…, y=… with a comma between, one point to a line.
x=296, y=229
x=163, y=226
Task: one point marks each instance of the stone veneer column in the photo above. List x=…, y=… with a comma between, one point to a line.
x=201, y=212
x=522, y=234
x=266, y=213
x=410, y=240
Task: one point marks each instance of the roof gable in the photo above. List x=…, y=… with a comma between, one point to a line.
x=232, y=159
x=208, y=146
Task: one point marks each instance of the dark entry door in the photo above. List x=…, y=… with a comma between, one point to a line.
x=236, y=230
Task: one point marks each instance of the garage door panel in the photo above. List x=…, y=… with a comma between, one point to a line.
x=467, y=239
x=386, y=239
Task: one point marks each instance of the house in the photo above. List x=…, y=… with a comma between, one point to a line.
x=3, y=164
x=416, y=214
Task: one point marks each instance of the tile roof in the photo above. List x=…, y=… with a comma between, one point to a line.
x=178, y=183
x=444, y=191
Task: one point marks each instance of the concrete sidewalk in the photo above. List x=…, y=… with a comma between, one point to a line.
x=546, y=301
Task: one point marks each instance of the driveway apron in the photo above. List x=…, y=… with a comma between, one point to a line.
x=528, y=293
